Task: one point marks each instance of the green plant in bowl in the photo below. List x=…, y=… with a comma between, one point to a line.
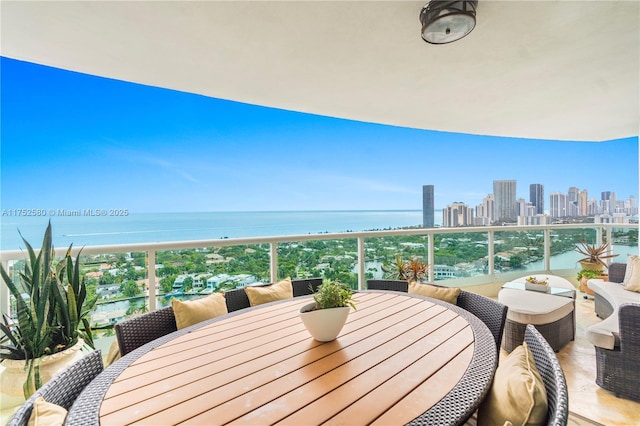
x=333, y=294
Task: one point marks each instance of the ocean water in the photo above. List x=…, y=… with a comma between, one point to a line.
x=86, y=230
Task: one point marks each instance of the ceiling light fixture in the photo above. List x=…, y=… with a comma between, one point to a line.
x=444, y=21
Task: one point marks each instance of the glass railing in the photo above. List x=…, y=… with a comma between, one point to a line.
x=132, y=278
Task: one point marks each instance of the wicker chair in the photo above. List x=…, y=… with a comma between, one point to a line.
x=617, y=370
x=64, y=388
x=394, y=285
x=135, y=332
x=552, y=375
x=237, y=298
x=489, y=311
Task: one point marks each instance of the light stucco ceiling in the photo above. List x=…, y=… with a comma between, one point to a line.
x=562, y=70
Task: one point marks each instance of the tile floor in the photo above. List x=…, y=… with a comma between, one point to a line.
x=579, y=364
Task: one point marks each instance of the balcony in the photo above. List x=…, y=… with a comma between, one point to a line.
x=356, y=256
x=544, y=76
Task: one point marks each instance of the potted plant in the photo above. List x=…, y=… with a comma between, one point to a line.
x=399, y=270
x=326, y=315
x=585, y=275
x=593, y=263
x=594, y=256
x=413, y=270
x=52, y=318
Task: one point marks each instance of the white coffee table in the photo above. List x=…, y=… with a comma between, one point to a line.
x=552, y=312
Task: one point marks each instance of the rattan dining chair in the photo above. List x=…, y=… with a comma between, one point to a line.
x=136, y=331
x=489, y=311
x=553, y=378
x=552, y=375
x=237, y=298
x=393, y=285
x=64, y=388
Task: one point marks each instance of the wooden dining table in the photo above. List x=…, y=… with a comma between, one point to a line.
x=399, y=358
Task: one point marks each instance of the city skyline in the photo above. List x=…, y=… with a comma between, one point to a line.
x=574, y=195
x=506, y=208
x=146, y=149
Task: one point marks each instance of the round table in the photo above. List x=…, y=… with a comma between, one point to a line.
x=400, y=358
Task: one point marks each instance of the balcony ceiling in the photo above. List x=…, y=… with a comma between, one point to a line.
x=566, y=70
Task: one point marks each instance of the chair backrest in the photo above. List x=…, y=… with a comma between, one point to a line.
x=63, y=388
x=136, y=331
x=616, y=272
x=552, y=375
x=306, y=286
x=237, y=298
x=394, y=285
x=489, y=311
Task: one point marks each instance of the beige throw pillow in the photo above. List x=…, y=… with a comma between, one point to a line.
x=449, y=295
x=114, y=353
x=194, y=311
x=517, y=395
x=46, y=414
x=279, y=291
x=633, y=282
x=632, y=274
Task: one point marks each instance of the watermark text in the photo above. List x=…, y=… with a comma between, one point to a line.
x=64, y=212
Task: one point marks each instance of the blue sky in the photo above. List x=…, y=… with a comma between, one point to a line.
x=73, y=141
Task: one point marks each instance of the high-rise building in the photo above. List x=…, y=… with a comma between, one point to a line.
x=557, y=204
x=573, y=196
x=457, y=214
x=583, y=203
x=485, y=212
x=427, y=206
x=608, y=202
x=525, y=208
x=504, y=192
x=536, y=197
x=632, y=209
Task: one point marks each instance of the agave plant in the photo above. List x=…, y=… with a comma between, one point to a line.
x=594, y=254
x=52, y=310
x=412, y=270
x=399, y=270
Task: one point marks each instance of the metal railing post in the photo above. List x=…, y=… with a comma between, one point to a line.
x=431, y=256
x=547, y=249
x=361, y=263
x=151, y=277
x=491, y=253
x=4, y=292
x=273, y=261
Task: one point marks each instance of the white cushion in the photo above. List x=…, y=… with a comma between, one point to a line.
x=605, y=334
x=530, y=307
